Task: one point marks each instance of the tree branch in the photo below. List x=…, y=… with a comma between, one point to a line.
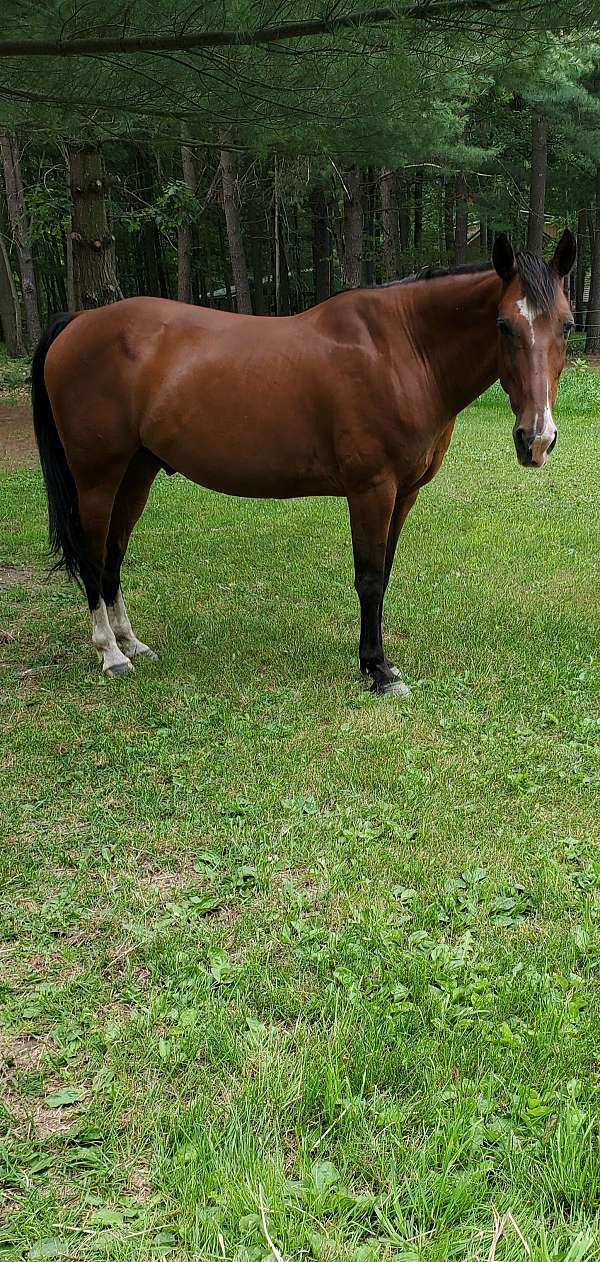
x=189, y=40
x=446, y=12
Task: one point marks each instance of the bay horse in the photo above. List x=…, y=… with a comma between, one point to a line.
x=356, y=397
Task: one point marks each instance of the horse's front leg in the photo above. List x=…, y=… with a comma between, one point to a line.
x=371, y=514
x=402, y=508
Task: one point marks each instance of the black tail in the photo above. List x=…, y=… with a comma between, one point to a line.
x=66, y=536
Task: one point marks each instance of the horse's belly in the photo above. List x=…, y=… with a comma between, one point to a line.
x=257, y=484
x=260, y=464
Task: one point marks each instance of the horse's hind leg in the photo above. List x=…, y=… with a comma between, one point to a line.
x=95, y=507
x=129, y=504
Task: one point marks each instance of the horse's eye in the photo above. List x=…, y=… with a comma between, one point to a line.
x=505, y=328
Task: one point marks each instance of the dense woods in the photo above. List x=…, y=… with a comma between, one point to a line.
x=264, y=177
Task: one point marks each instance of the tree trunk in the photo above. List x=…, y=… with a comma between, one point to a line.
x=592, y=341
x=225, y=263
x=10, y=311
x=389, y=224
x=233, y=221
x=148, y=236
x=418, y=220
x=449, y=204
x=185, y=234
x=402, y=200
x=300, y=303
x=256, y=227
x=18, y=222
x=461, y=219
x=369, y=212
x=537, y=187
x=352, y=259
x=70, y=279
x=94, y=277
x=582, y=232
x=321, y=243
x=284, y=304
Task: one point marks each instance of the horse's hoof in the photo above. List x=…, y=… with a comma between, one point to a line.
x=396, y=687
x=119, y=668
x=146, y=652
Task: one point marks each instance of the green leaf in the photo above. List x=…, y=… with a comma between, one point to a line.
x=66, y=1096
x=204, y=903
x=49, y=1247
x=324, y=1175
x=323, y=1248
x=165, y=1240
x=257, y=1029
x=39, y=1163
x=220, y=967
x=107, y=1218
x=206, y=859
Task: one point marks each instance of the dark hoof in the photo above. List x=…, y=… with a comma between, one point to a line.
x=121, y=668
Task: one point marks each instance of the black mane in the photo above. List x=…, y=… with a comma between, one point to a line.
x=432, y=272
x=538, y=278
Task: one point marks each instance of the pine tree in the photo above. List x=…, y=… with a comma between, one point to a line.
x=94, y=276
x=18, y=221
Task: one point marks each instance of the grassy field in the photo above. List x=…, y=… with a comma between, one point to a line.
x=289, y=970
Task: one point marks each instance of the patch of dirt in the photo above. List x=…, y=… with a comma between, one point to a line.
x=226, y=915
x=138, y=1184
x=17, y=441
x=22, y=1051
x=11, y=575
x=9, y=1205
x=165, y=881
x=33, y=1117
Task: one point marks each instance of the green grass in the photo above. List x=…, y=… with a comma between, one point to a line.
x=270, y=932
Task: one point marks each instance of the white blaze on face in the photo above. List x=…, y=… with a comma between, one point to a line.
x=528, y=315
x=545, y=437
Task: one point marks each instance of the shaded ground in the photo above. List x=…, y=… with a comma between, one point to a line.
x=17, y=443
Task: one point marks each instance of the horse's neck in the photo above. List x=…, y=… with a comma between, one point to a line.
x=455, y=320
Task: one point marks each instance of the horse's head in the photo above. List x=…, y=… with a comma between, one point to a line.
x=534, y=322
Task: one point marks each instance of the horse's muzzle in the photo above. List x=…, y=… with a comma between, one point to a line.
x=533, y=449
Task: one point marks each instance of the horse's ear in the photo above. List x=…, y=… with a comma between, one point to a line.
x=564, y=254
x=503, y=257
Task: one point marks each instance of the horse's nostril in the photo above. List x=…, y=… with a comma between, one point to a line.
x=553, y=443
x=521, y=443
